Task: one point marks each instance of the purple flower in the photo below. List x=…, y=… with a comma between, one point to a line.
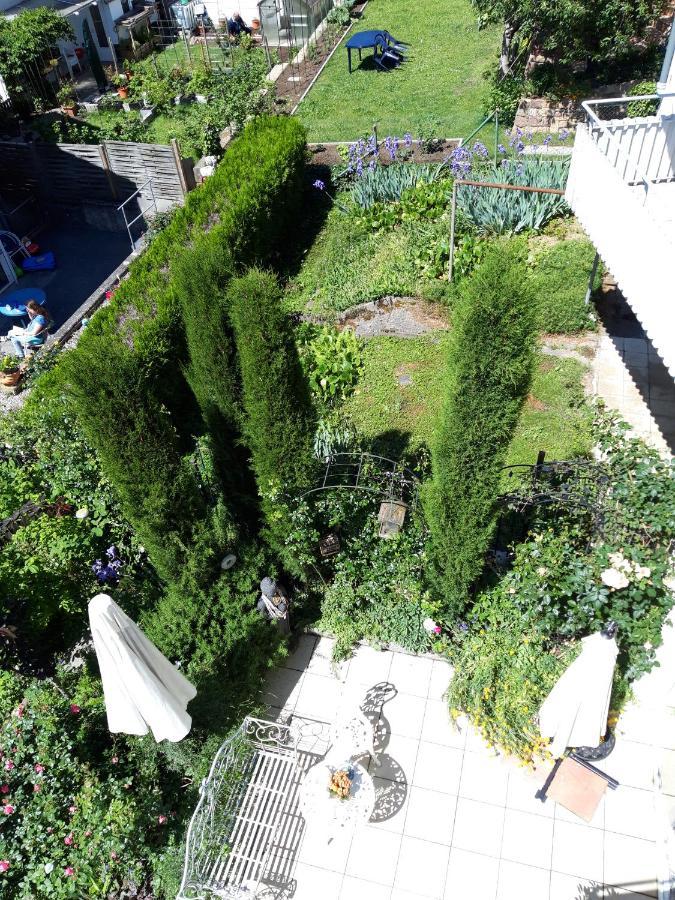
x=547, y=140
x=501, y=148
x=359, y=167
x=480, y=149
x=372, y=165
x=520, y=147
x=564, y=134
x=407, y=139
x=319, y=185
x=519, y=170
x=505, y=164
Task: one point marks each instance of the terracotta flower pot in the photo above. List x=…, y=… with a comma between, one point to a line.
x=123, y=92
x=10, y=379
x=69, y=110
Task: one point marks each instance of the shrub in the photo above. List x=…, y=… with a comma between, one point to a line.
x=559, y=280
x=332, y=360
x=339, y=15
x=489, y=371
x=638, y=109
x=127, y=371
x=278, y=422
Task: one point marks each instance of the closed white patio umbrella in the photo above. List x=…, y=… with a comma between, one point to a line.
x=143, y=691
x=575, y=712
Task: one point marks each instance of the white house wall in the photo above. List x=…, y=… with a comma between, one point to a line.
x=223, y=9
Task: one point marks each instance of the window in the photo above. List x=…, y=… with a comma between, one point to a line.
x=101, y=35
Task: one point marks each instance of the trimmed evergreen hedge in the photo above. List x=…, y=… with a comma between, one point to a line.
x=127, y=374
x=278, y=417
x=489, y=371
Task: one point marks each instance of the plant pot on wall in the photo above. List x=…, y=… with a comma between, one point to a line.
x=123, y=92
x=10, y=377
x=69, y=111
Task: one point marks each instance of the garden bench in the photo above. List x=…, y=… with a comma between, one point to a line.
x=246, y=829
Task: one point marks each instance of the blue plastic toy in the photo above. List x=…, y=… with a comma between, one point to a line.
x=45, y=262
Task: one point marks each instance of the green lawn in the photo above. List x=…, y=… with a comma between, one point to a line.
x=554, y=418
x=440, y=85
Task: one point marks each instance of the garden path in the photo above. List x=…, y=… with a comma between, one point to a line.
x=404, y=317
x=453, y=819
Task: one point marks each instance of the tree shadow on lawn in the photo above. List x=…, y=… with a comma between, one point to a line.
x=316, y=205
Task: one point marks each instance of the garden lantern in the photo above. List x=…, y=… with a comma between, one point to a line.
x=329, y=545
x=391, y=517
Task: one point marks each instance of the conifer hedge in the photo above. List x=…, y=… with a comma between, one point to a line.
x=278, y=420
x=128, y=373
x=488, y=377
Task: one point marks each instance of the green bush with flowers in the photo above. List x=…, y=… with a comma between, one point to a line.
x=79, y=811
x=571, y=576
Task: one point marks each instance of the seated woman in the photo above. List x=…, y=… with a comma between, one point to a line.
x=34, y=334
x=235, y=25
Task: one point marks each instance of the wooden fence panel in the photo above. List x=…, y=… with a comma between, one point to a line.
x=138, y=162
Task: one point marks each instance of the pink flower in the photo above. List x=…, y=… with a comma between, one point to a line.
x=68, y=871
x=113, y=855
x=4, y=789
x=37, y=788
x=39, y=769
x=162, y=819
x=4, y=865
x=20, y=711
x=9, y=765
x=8, y=809
x=68, y=839
x=115, y=760
x=75, y=709
x=72, y=809
x=437, y=629
x=49, y=829
x=87, y=833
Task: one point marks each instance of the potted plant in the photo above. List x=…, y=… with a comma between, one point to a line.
x=10, y=372
x=121, y=82
x=66, y=97
x=200, y=82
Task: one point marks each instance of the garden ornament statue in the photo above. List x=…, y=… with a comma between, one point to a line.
x=274, y=604
x=143, y=691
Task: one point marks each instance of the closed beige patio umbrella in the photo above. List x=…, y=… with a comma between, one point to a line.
x=143, y=691
x=575, y=712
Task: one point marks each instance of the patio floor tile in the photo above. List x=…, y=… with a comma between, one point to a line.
x=521, y=792
x=405, y=714
x=630, y=763
x=577, y=850
x=406, y=895
x=631, y=811
x=325, y=851
x=517, y=882
x=528, y=839
x=438, y=768
x=441, y=675
x=630, y=863
x=422, y=867
x=430, y=815
x=314, y=882
x=411, y=674
x=391, y=805
x=318, y=698
x=471, y=875
x=571, y=887
x=300, y=657
x=358, y=889
x=439, y=728
x=369, y=666
x=478, y=827
x=373, y=855
x=283, y=688
x=397, y=758
x=484, y=779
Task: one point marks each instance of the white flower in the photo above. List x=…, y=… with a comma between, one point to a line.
x=542, y=570
x=641, y=571
x=49, y=867
x=619, y=561
x=669, y=582
x=614, y=579
x=82, y=513
x=429, y=625
x=648, y=645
